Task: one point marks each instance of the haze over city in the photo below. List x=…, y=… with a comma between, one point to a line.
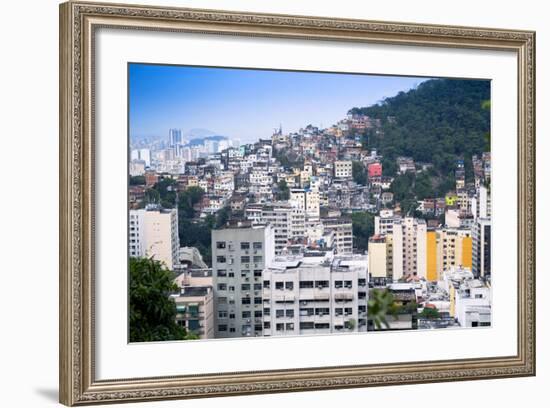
x=247, y=104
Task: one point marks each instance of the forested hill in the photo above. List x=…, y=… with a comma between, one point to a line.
x=439, y=121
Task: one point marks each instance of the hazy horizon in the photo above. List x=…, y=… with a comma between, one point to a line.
x=247, y=104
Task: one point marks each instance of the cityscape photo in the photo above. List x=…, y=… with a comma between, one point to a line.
x=286, y=203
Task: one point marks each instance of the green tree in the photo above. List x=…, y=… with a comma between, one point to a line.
x=222, y=216
x=363, y=228
x=152, y=311
x=283, y=192
x=437, y=122
x=423, y=187
x=137, y=180
x=166, y=188
x=359, y=173
x=380, y=305
x=187, y=201
x=429, y=313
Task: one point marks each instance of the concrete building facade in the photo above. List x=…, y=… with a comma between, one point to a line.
x=240, y=253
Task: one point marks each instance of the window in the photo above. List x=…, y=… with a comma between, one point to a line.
x=231, y=288
x=257, y=300
x=257, y=273
x=245, y=286
x=338, y=284
x=231, y=330
x=306, y=325
x=245, y=273
x=220, y=259
x=306, y=284
x=322, y=325
x=322, y=284
x=309, y=311
x=222, y=273
x=280, y=327
x=257, y=258
x=257, y=245
x=279, y=285
x=361, y=282
x=290, y=326
x=231, y=274
x=348, y=284
x=245, y=245
x=222, y=286
x=266, y=284
x=222, y=327
x=222, y=300
x=231, y=315
x=279, y=313
x=258, y=327
x=267, y=325
x=222, y=314
x=246, y=314
x=289, y=285
x=289, y=313
x=220, y=244
x=245, y=301
x=245, y=259
x=267, y=311
x=338, y=311
x=257, y=286
x=257, y=313
x=348, y=310
x=321, y=311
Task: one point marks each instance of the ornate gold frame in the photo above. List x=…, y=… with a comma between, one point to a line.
x=78, y=20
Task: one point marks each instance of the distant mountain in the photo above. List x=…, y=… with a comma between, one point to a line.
x=198, y=133
x=200, y=140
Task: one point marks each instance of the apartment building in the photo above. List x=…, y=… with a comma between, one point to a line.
x=315, y=293
x=153, y=232
x=481, y=248
x=195, y=310
x=343, y=233
x=343, y=169
x=407, y=238
x=240, y=253
x=307, y=200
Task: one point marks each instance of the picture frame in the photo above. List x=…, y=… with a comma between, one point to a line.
x=79, y=22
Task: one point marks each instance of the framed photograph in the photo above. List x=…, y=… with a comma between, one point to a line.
x=255, y=203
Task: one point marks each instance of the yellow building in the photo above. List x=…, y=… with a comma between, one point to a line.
x=431, y=253
x=446, y=248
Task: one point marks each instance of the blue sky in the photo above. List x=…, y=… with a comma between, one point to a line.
x=247, y=104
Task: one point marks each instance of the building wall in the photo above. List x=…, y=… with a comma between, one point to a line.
x=237, y=278
x=467, y=252
x=317, y=298
x=155, y=235
x=378, y=259
x=431, y=255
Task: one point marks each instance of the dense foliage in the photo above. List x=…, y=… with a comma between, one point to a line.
x=359, y=173
x=363, y=228
x=283, y=192
x=152, y=311
x=437, y=122
x=137, y=180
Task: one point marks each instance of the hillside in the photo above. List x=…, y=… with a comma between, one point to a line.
x=439, y=121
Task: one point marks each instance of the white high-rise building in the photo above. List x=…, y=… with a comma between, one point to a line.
x=141, y=154
x=240, y=253
x=307, y=200
x=154, y=233
x=315, y=293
